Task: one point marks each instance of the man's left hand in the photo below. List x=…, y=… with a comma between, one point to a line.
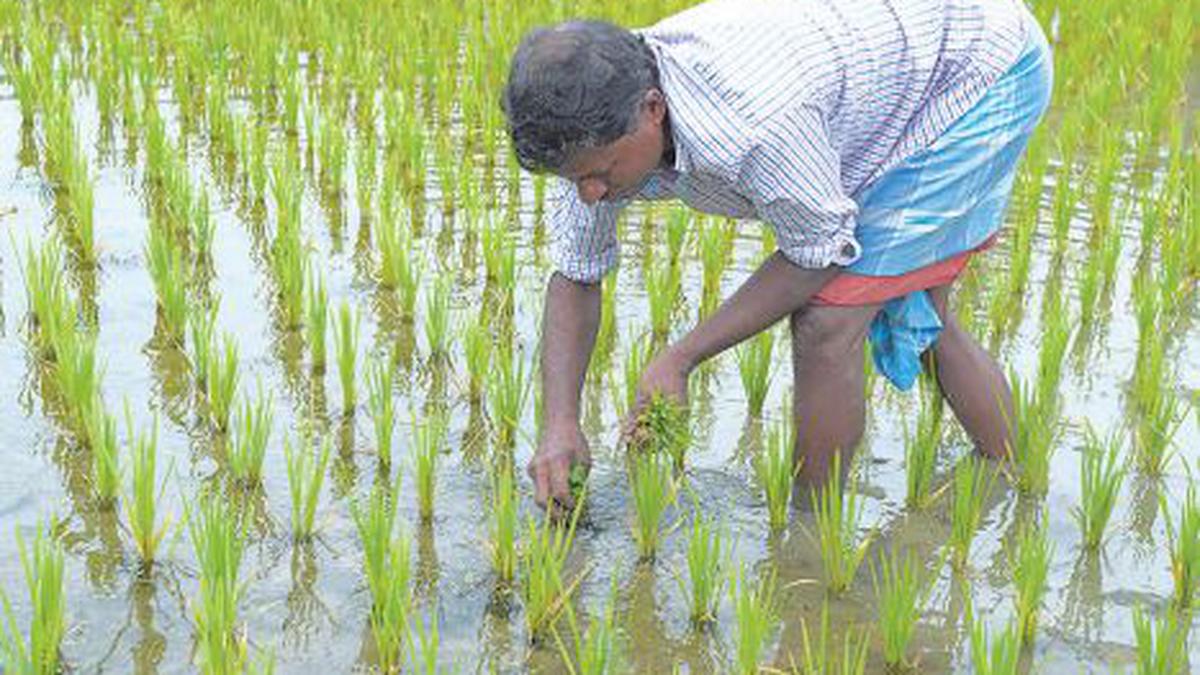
x=667, y=375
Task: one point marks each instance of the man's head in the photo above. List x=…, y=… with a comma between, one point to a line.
x=583, y=101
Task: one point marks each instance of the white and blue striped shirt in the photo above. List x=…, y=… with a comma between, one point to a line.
x=784, y=110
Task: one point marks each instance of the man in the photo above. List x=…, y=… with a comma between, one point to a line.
x=879, y=138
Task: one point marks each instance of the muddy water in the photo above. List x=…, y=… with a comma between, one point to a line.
x=309, y=603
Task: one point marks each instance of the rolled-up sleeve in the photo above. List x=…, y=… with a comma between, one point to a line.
x=792, y=175
x=583, y=238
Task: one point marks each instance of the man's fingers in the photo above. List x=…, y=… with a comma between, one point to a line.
x=560, y=484
x=541, y=482
x=629, y=426
x=626, y=430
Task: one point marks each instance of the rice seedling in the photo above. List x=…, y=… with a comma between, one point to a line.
x=902, y=590
x=437, y=316
x=423, y=643
x=365, y=170
x=317, y=311
x=332, y=151
x=594, y=651
x=1110, y=253
x=838, y=514
x=20, y=78
x=1102, y=471
x=310, y=127
x=653, y=489
x=921, y=446
x=375, y=523
x=146, y=493
x=218, y=539
x=288, y=260
x=1089, y=289
x=775, y=471
x=606, y=332
x=544, y=590
x=1104, y=172
x=42, y=565
x=662, y=428
x=1154, y=430
x=754, y=366
x=756, y=614
x=972, y=483
x=677, y=231
x=1056, y=334
x=380, y=381
x=398, y=269
x=165, y=261
x=1158, y=415
x=222, y=383
x=503, y=290
x=712, y=261
x=639, y=354
x=503, y=525
x=388, y=565
x=1037, y=427
x=249, y=443
x=1065, y=197
x=78, y=378
x=1183, y=545
x=1029, y=560
x=448, y=169
x=106, y=465
x=477, y=348
x=305, y=474
x=428, y=437
x=508, y=388
x=494, y=240
x=998, y=654
x=817, y=658
x=1171, y=281
x=203, y=229
x=56, y=329
x=1160, y=644
x=345, y=339
x=706, y=550
x=663, y=286
x=257, y=166
x=45, y=289
x=201, y=325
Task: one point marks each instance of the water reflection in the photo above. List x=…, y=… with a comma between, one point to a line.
x=305, y=608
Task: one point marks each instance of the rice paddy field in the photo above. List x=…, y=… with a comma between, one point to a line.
x=270, y=285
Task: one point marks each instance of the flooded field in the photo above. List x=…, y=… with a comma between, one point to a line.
x=270, y=286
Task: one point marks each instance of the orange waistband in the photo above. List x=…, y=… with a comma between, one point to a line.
x=849, y=289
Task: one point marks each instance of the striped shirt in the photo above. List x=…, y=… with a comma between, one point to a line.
x=785, y=110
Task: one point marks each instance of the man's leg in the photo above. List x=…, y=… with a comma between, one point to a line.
x=827, y=401
x=972, y=382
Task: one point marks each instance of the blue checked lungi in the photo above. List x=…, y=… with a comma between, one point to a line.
x=944, y=200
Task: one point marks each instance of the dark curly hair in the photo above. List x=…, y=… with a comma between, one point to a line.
x=574, y=86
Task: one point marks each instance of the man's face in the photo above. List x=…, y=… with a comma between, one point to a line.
x=616, y=170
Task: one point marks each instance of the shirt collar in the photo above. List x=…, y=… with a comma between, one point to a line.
x=683, y=159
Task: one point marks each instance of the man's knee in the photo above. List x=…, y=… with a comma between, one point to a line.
x=824, y=334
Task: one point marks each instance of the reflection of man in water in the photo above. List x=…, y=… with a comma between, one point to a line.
x=879, y=138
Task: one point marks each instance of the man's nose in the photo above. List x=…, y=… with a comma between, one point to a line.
x=591, y=190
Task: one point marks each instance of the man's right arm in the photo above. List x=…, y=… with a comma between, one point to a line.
x=569, y=325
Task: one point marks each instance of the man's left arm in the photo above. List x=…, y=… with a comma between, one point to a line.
x=792, y=174
x=776, y=289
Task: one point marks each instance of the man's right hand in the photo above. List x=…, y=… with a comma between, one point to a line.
x=560, y=448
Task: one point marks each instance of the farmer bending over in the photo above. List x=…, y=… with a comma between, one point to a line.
x=879, y=138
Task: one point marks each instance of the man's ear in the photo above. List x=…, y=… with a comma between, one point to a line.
x=655, y=104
